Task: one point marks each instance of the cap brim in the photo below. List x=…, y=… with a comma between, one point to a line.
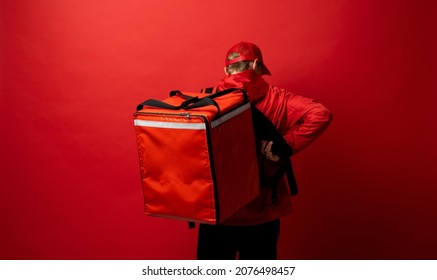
x=265, y=70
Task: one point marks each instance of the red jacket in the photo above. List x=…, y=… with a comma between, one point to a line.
x=298, y=119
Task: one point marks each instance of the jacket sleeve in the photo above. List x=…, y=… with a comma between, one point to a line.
x=306, y=120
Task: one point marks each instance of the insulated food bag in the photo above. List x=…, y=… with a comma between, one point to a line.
x=197, y=155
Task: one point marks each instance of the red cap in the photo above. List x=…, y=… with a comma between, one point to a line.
x=247, y=51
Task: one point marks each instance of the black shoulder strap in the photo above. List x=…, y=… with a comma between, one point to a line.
x=265, y=131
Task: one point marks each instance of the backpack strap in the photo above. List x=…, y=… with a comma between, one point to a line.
x=265, y=131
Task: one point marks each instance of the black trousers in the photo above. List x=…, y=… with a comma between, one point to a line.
x=220, y=242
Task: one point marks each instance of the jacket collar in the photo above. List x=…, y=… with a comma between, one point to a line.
x=249, y=80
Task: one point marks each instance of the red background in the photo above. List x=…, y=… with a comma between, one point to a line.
x=72, y=73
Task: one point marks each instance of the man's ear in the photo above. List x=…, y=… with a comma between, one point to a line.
x=226, y=70
x=256, y=66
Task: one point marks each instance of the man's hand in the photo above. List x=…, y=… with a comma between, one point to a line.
x=266, y=150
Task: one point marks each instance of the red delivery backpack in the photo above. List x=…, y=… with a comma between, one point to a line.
x=197, y=155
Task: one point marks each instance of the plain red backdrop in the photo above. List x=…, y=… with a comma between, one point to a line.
x=72, y=73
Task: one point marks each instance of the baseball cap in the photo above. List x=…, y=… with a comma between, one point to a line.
x=246, y=51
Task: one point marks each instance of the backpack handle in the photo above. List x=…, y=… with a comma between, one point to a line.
x=192, y=102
